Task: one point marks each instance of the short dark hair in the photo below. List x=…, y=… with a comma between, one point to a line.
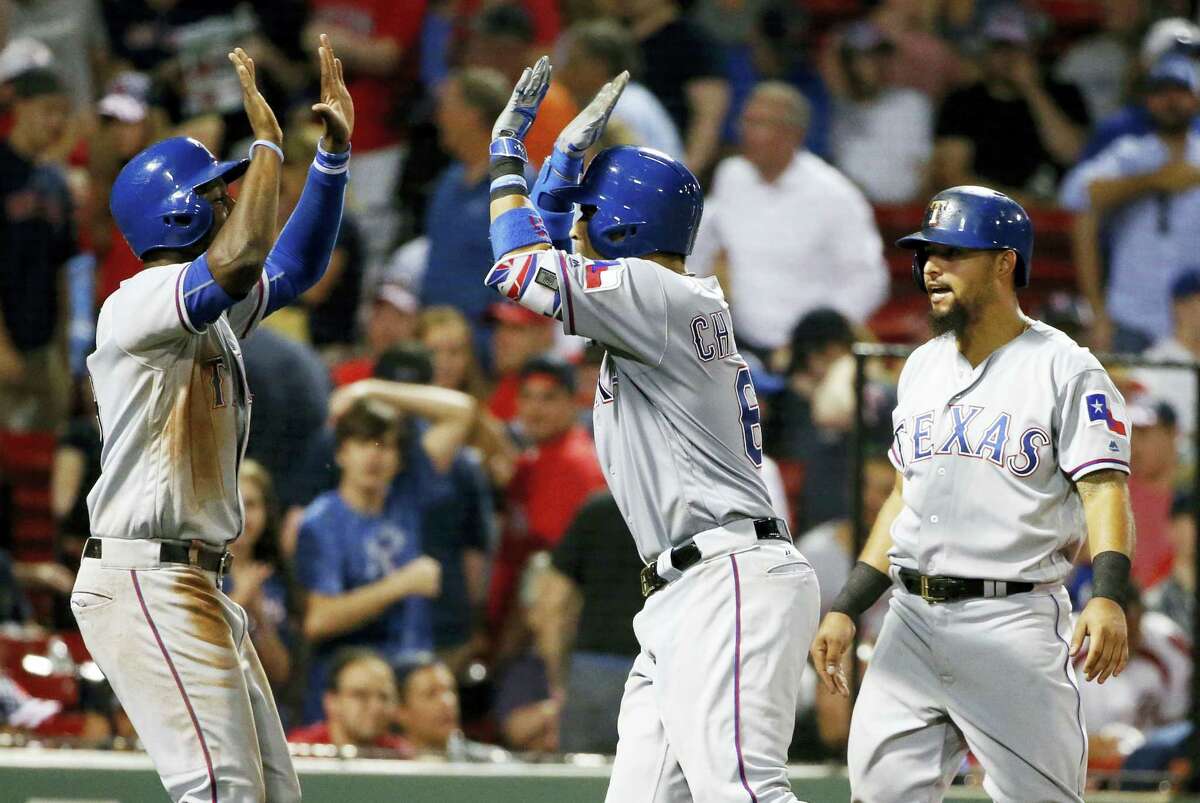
x=609, y=42
x=559, y=370
x=506, y=20
x=822, y=327
x=484, y=90
x=38, y=81
x=347, y=657
x=405, y=363
x=406, y=669
x=368, y=419
x=1183, y=505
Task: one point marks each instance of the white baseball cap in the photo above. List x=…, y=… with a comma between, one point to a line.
x=22, y=54
x=1166, y=35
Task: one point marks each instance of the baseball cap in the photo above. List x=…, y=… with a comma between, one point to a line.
x=1152, y=413
x=817, y=329
x=1174, y=70
x=865, y=36
x=1007, y=26
x=21, y=54
x=37, y=82
x=552, y=368
x=515, y=314
x=1186, y=284
x=398, y=296
x=125, y=108
x=1169, y=35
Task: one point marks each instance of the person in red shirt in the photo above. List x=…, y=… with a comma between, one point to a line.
x=373, y=38
x=553, y=479
x=1151, y=488
x=360, y=706
x=392, y=321
x=520, y=336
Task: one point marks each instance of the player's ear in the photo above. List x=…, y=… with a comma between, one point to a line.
x=1005, y=264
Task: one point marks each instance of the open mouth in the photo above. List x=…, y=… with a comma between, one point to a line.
x=938, y=292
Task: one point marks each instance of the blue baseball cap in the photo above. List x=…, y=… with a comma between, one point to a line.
x=1174, y=70
x=1186, y=284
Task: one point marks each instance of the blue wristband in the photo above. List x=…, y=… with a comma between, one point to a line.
x=517, y=228
x=508, y=148
x=332, y=163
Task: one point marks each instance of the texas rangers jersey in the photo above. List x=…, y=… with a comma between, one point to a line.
x=990, y=455
x=174, y=412
x=676, y=417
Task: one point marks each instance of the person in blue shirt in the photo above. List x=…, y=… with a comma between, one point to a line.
x=360, y=551
x=1141, y=198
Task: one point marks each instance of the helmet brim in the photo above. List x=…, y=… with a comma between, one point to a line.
x=953, y=239
x=229, y=171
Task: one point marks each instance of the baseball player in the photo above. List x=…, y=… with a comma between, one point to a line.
x=175, y=413
x=1011, y=446
x=731, y=605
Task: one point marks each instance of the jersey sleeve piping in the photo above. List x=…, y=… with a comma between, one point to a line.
x=565, y=280
x=264, y=290
x=181, y=307
x=1099, y=464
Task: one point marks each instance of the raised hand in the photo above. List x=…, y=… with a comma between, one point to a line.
x=336, y=107
x=262, y=119
x=518, y=116
x=587, y=127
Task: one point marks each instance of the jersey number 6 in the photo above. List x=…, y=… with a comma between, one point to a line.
x=751, y=419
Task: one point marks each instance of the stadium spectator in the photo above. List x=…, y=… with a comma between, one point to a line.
x=1152, y=691
x=1012, y=130
x=924, y=60
x=457, y=218
x=1175, y=386
x=1154, y=462
x=1170, y=36
x=1143, y=193
x=447, y=335
x=882, y=135
x=502, y=38
x=520, y=336
x=816, y=415
x=769, y=210
x=359, y=707
x=392, y=321
x=428, y=713
x=332, y=303
x=75, y=470
x=582, y=617
x=1175, y=597
x=262, y=581
x=291, y=400
x=553, y=479
x=597, y=50
x=683, y=69
x=75, y=33
x=1100, y=64
x=373, y=38
x=360, y=549
x=36, y=239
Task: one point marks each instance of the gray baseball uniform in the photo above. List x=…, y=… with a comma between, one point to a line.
x=678, y=435
x=989, y=457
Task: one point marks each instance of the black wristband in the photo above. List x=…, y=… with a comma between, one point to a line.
x=1110, y=576
x=863, y=587
x=505, y=166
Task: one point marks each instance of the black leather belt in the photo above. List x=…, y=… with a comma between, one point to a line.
x=685, y=556
x=948, y=589
x=210, y=560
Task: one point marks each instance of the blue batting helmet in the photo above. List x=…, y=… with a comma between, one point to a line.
x=645, y=201
x=154, y=199
x=975, y=218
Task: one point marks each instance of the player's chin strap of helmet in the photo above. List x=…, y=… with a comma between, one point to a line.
x=863, y=587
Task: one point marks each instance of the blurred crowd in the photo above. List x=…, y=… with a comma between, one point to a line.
x=431, y=563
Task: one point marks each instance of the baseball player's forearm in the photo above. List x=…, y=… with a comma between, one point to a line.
x=1107, y=512
x=236, y=256
x=300, y=256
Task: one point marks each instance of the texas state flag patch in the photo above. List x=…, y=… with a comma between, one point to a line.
x=1098, y=413
x=602, y=275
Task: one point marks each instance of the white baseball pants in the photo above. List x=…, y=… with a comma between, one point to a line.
x=989, y=674
x=176, y=652
x=709, y=707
